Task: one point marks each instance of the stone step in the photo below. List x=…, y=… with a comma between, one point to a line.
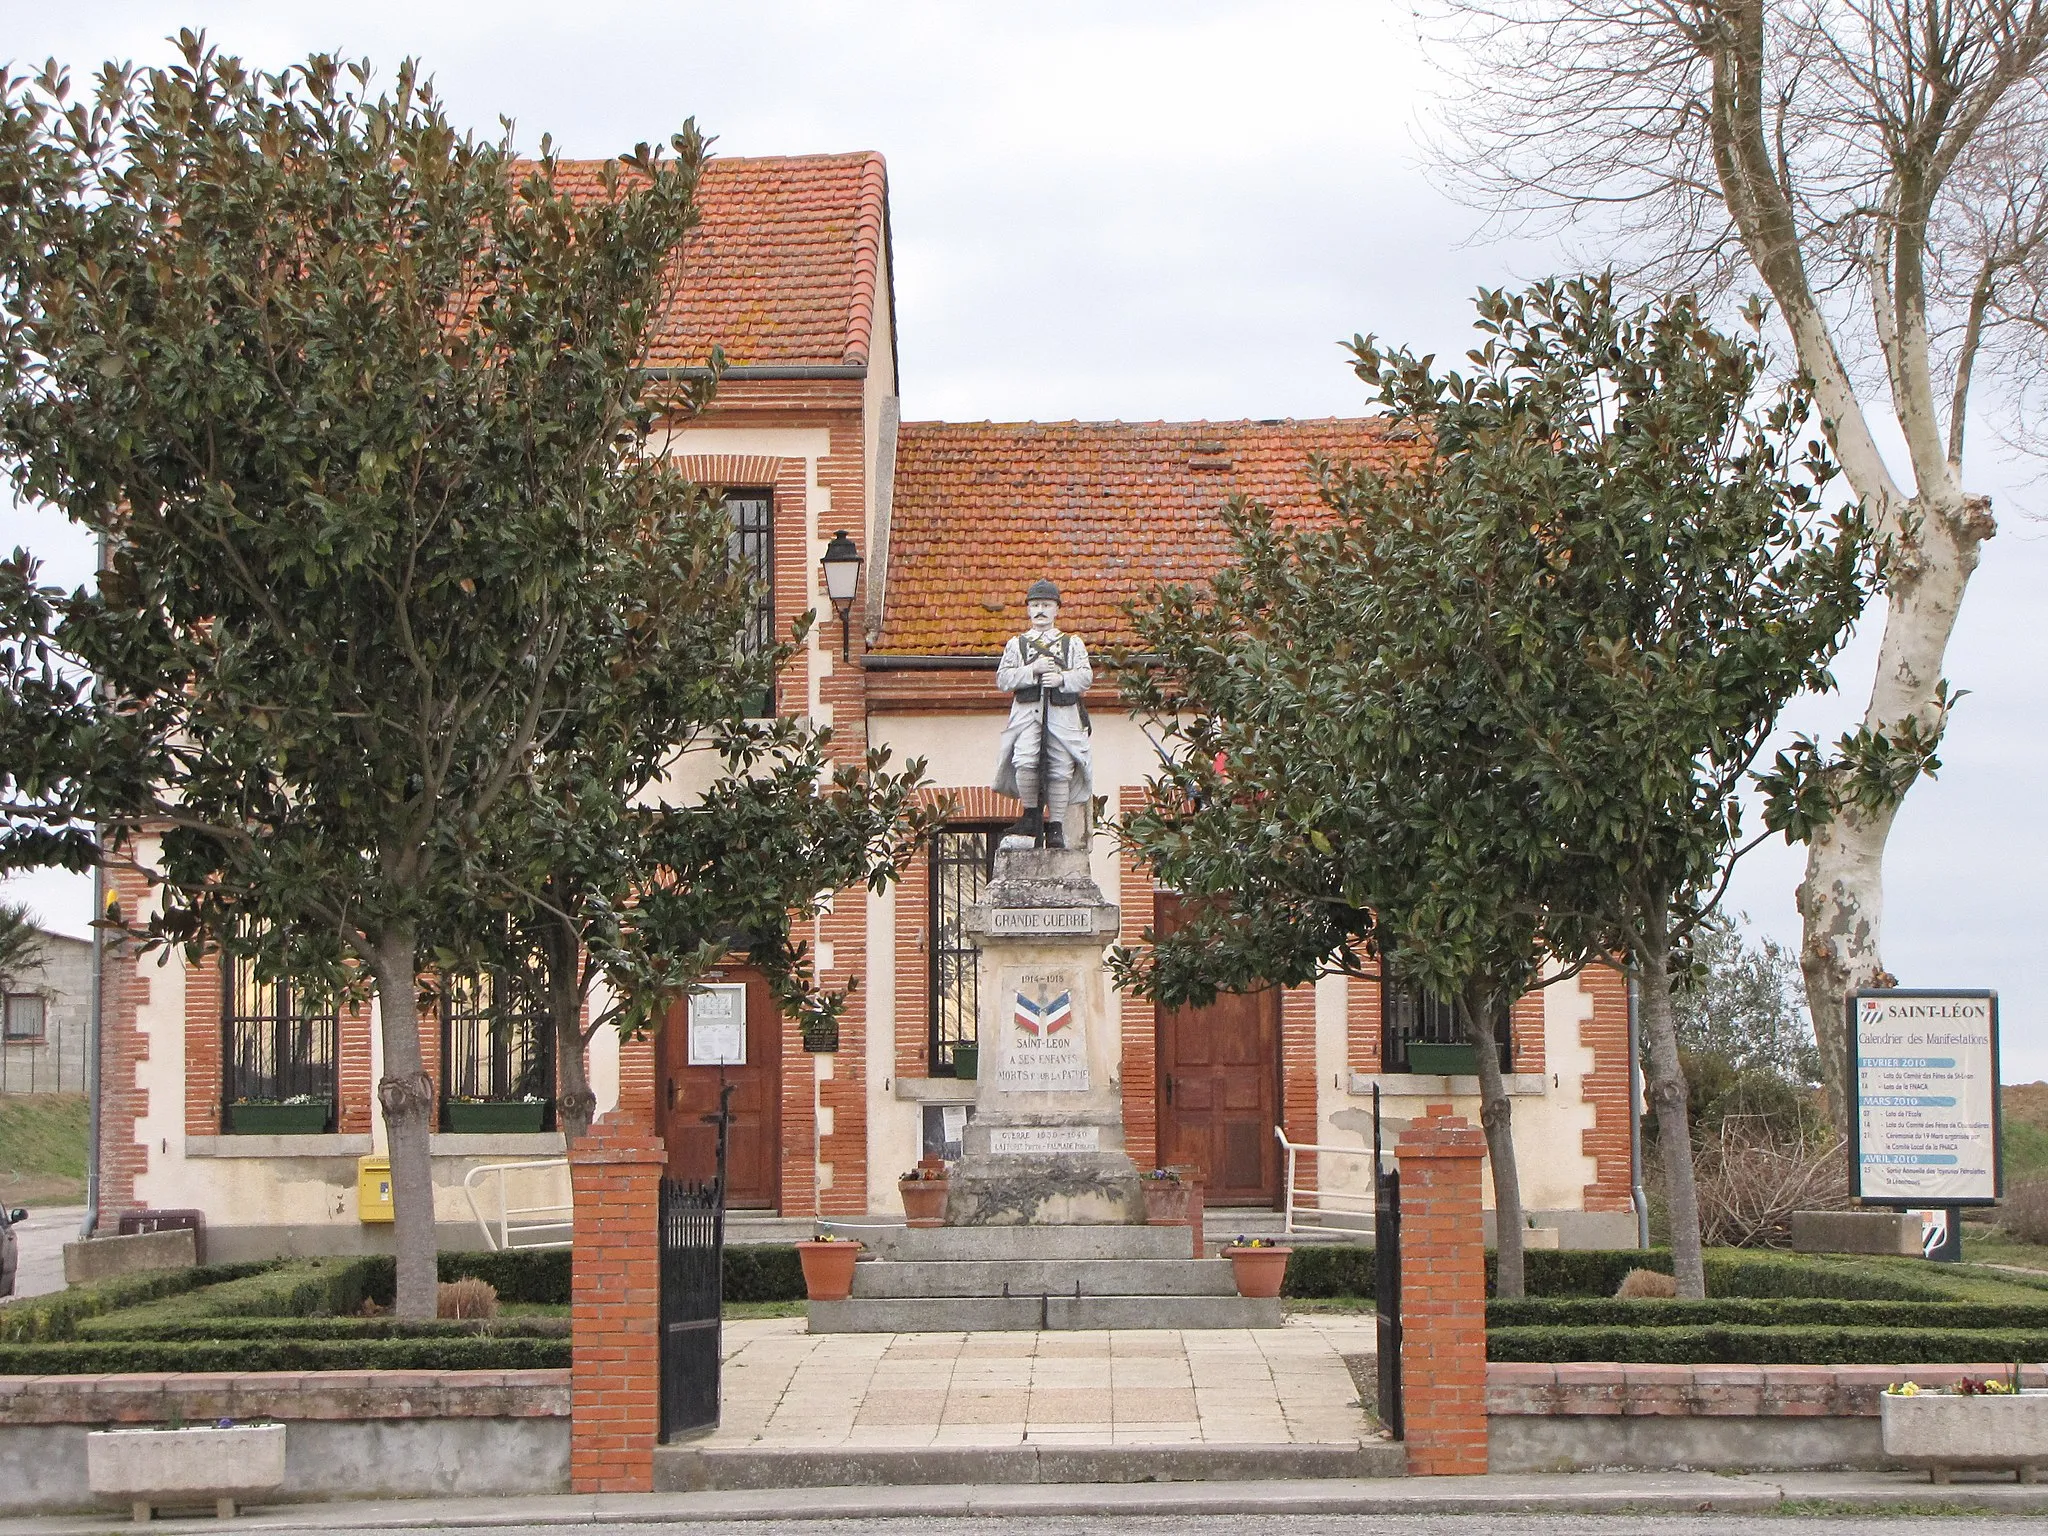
x=995, y=1244
x=1035, y=1277
x=1028, y=1314
x=690, y=1468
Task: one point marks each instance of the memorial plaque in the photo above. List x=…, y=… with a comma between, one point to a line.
x=1044, y=1140
x=1046, y=1051
x=1021, y=922
x=1924, y=1067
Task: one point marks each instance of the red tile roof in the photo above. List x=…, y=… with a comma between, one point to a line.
x=1106, y=509
x=783, y=269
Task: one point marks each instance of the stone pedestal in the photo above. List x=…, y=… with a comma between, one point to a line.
x=1046, y=1144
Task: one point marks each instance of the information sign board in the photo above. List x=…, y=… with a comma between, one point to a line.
x=1923, y=1073
x=718, y=1025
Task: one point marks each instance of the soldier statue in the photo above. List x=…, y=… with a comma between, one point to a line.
x=1045, y=759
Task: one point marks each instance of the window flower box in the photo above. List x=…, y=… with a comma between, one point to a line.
x=494, y=1117
x=272, y=1119
x=1445, y=1060
x=966, y=1062
x=145, y=1468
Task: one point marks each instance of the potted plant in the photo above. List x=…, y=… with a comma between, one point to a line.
x=303, y=1114
x=924, y=1194
x=966, y=1061
x=1258, y=1264
x=1166, y=1198
x=828, y=1266
x=1977, y=1422
x=495, y=1117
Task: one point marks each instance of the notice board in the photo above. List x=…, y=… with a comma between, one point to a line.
x=1923, y=1076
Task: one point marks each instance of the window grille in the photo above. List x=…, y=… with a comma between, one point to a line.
x=963, y=858
x=24, y=1016
x=496, y=1038
x=1409, y=1015
x=279, y=1046
x=752, y=547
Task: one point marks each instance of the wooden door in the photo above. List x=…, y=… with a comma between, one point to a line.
x=1219, y=1088
x=688, y=1094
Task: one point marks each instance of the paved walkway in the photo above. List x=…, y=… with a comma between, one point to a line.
x=786, y=1387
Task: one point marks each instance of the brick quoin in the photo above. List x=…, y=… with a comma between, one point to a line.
x=615, y=1294
x=1443, y=1295
x=1606, y=1088
x=1138, y=1016
x=125, y=981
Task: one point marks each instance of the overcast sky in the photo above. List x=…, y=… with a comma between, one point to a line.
x=1143, y=211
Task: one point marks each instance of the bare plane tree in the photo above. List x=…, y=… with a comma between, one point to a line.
x=1882, y=167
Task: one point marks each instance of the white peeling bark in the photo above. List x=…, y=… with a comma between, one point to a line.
x=407, y=1096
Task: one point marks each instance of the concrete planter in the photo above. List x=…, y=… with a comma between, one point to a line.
x=144, y=1468
x=1166, y=1202
x=1258, y=1271
x=1941, y=1432
x=924, y=1201
x=828, y=1269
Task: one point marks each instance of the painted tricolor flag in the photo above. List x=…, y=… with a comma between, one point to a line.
x=1042, y=1017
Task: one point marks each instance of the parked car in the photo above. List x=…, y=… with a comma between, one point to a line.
x=10, y=1250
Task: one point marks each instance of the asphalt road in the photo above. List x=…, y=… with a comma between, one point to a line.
x=1302, y=1525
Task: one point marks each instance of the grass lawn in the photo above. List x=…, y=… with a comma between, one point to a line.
x=741, y=1309
x=42, y=1149
x=1990, y=1245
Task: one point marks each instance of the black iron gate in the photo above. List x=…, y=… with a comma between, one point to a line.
x=1386, y=1277
x=692, y=1293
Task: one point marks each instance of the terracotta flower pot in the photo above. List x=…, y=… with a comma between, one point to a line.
x=828, y=1269
x=1166, y=1202
x=924, y=1201
x=1258, y=1271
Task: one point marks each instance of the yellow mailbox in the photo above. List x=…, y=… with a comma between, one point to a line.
x=373, y=1189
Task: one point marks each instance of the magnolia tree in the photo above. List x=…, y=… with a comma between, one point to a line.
x=354, y=402
x=1486, y=721
x=1881, y=169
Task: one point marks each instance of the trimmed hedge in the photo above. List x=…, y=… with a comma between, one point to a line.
x=531, y=1276
x=1768, y=1346
x=133, y=1328
x=763, y=1272
x=58, y=1315
x=295, y=1288
x=1760, y=1312
x=121, y=1356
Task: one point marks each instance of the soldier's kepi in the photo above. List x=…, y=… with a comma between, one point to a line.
x=1045, y=759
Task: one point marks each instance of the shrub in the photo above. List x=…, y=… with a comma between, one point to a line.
x=1768, y=1346
x=763, y=1272
x=1577, y=1312
x=58, y=1316
x=1646, y=1283
x=122, y=1356
x=1329, y=1269
x=2025, y=1212
x=1754, y=1175
x=526, y=1276
x=467, y=1298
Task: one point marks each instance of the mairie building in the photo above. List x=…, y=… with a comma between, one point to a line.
x=235, y=1098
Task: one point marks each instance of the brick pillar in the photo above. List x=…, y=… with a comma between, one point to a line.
x=1443, y=1295
x=615, y=1383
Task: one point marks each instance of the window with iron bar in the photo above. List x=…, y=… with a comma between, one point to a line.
x=497, y=1042
x=963, y=858
x=1411, y=1016
x=278, y=1047
x=751, y=546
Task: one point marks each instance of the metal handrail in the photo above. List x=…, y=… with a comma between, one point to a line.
x=1321, y=1203
x=513, y=1227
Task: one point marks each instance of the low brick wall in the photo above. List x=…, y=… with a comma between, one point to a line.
x=1564, y=1418
x=367, y=1434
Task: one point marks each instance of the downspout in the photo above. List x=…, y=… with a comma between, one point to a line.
x=1637, y=1194
x=87, y=1227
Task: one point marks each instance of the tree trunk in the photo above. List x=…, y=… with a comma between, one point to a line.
x=406, y=1093
x=1496, y=1111
x=575, y=1104
x=1666, y=1091
x=1842, y=898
